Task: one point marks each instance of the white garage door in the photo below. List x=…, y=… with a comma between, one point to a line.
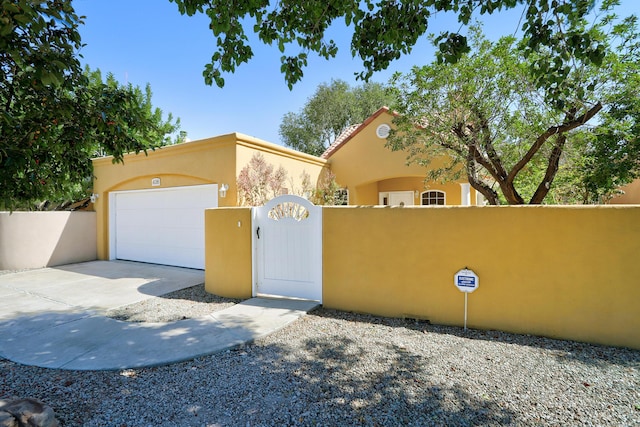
x=163, y=226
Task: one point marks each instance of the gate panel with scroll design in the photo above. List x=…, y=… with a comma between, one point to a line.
x=287, y=236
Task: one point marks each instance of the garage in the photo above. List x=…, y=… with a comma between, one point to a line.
x=161, y=226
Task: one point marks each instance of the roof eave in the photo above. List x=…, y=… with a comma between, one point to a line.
x=330, y=151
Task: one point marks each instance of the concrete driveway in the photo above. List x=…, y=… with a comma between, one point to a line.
x=92, y=286
x=54, y=317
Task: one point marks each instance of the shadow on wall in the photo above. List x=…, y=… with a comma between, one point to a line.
x=45, y=239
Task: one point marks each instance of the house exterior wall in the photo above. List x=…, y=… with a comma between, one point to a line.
x=364, y=194
x=210, y=161
x=294, y=162
x=631, y=194
x=562, y=272
x=46, y=239
x=417, y=185
x=366, y=167
x=228, y=252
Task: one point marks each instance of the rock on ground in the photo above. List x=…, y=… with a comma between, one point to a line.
x=26, y=412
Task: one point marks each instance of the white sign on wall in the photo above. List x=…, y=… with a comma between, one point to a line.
x=466, y=280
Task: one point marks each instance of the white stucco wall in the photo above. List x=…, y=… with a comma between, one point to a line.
x=44, y=239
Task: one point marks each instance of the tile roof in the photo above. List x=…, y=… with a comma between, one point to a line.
x=339, y=140
x=350, y=132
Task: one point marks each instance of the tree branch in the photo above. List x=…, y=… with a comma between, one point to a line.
x=473, y=150
x=487, y=144
x=552, y=170
x=570, y=124
x=478, y=184
x=11, y=93
x=492, y=165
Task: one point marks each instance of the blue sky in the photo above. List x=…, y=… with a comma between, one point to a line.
x=148, y=41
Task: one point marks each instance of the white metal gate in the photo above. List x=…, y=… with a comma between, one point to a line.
x=287, y=236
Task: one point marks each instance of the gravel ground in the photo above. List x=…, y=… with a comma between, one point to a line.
x=179, y=305
x=332, y=368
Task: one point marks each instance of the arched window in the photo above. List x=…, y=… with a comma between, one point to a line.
x=433, y=197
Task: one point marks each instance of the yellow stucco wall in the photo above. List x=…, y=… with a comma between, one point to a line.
x=364, y=158
x=209, y=161
x=294, y=162
x=631, y=194
x=563, y=272
x=228, y=252
x=366, y=167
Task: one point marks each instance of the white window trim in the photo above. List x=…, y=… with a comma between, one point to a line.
x=348, y=196
x=434, y=191
x=465, y=194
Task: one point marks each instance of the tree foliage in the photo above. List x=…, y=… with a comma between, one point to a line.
x=511, y=140
x=384, y=30
x=140, y=121
x=53, y=116
x=332, y=108
x=38, y=41
x=328, y=191
x=259, y=182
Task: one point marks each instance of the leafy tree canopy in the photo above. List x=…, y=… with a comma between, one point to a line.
x=384, y=30
x=512, y=142
x=331, y=109
x=53, y=116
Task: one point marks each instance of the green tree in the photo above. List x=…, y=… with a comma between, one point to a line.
x=38, y=43
x=487, y=116
x=332, y=108
x=53, y=117
x=55, y=131
x=146, y=122
x=384, y=30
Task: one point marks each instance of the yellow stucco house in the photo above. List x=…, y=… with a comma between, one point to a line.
x=151, y=207
x=375, y=175
x=630, y=194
